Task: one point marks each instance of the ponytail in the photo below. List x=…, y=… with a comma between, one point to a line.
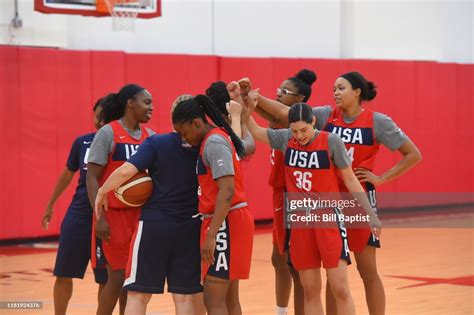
x=200, y=107
x=111, y=109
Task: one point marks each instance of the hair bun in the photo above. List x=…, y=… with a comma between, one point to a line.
x=371, y=90
x=307, y=76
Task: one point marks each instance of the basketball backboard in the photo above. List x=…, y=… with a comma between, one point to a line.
x=147, y=8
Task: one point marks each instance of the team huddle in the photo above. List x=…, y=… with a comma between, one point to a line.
x=196, y=231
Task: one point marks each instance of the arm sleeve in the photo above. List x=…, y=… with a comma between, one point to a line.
x=218, y=156
x=388, y=133
x=73, y=162
x=338, y=152
x=145, y=155
x=101, y=146
x=279, y=138
x=322, y=114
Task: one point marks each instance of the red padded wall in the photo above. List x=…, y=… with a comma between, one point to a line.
x=10, y=120
x=46, y=99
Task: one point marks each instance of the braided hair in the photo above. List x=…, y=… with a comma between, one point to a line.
x=201, y=106
x=218, y=93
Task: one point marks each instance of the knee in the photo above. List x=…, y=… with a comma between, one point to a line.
x=279, y=261
x=311, y=289
x=63, y=281
x=368, y=274
x=295, y=275
x=143, y=298
x=212, y=303
x=341, y=292
x=183, y=298
x=233, y=304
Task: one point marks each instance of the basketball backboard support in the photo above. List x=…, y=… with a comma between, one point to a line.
x=149, y=9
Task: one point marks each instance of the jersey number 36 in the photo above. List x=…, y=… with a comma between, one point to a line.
x=303, y=180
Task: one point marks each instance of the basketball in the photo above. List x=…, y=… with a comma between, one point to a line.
x=135, y=191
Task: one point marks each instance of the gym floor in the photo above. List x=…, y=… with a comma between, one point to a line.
x=425, y=270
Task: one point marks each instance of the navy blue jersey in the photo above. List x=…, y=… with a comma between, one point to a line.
x=77, y=161
x=172, y=166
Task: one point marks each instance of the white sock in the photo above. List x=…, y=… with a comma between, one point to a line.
x=281, y=310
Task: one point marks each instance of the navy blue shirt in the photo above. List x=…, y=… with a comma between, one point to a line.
x=77, y=160
x=172, y=166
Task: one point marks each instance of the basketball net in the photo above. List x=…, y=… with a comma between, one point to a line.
x=123, y=12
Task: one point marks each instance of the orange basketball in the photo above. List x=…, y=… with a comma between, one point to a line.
x=135, y=191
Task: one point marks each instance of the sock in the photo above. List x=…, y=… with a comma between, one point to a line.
x=281, y=310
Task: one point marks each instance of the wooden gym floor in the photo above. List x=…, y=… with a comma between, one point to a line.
x=425, y=270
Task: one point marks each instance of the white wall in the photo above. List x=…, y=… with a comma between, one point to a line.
x=427, y=30
x=291, y=28
x=440, y=30
x=38, y=29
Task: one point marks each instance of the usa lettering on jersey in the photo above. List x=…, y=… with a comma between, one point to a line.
x=220, y=268
x=343, y=232
x=362, y=136
x=221, y=248
x=307, y=159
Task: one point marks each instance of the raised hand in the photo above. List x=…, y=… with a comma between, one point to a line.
x=234, y=108
x=251, y=100
x=245, y=86
x=234, y=90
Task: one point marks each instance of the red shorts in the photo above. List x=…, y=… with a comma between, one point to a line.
x=359, y=238
x=234, y=242
x=122, y=225
x=310, y=246
x=279, y=230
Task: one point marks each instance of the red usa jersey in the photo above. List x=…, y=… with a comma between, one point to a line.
x=277, y=172
x=358, y=136
x=309, y=168
x=277, y=164
x=207, y=185
x=125, y=146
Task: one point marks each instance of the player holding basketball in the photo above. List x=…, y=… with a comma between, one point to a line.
x=227, y=228
x=311, y=246
x=349, y=119
x=74, y=250
x=292, y=90
x=114, y=144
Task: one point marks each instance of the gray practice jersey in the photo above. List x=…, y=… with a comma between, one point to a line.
x=385, y=129
x=217, y=155
x=103, y=143
x=337, y=151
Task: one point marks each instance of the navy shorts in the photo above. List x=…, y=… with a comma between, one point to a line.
x=168, y=250
x=75, y=248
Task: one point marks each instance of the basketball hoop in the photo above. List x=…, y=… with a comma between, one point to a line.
x=123, y=12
